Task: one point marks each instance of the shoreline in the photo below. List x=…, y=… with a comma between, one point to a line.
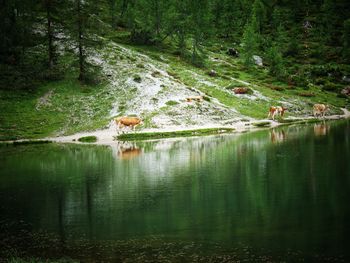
x=107, y=136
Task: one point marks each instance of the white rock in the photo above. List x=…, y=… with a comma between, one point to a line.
x=258, y=60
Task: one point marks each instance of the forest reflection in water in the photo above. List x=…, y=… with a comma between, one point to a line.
x=281, y=189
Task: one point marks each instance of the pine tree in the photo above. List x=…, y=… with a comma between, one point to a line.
x=200, y=29
x=52, y=10
x=259, y=15
x=83, y=27
x=112, y=10
x=275, y=58
x=178, y=22
x=346, y=40
x=250, y=42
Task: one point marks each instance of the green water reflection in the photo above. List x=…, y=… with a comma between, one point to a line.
x=282, y=189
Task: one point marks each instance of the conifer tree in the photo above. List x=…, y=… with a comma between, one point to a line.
x=83, y=27
x=199, y=28
x=346, y=40
x=250, y=42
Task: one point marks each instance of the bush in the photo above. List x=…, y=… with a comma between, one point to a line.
x=156, y=74
x=206, y=98
x=306, y=94
x=137, y=78
x=275, y=58
x=299, y=80
x=88, y=139
x=320, y=81
x=212, y=73
x=235, y=84
x=330, y=86
x=277, y=88
x=261, y=124
x=171, y=103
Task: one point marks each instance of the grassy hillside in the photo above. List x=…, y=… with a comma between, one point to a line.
x=153, y=82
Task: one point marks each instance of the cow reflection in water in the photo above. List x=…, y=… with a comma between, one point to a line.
x=127, y=151
x=277, y=136
x=321, y=129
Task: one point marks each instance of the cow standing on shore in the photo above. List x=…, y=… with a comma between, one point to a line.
x=276, y=110
x=131, y=122
x=320, y=110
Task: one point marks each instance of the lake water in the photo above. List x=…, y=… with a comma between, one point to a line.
x=280, y=194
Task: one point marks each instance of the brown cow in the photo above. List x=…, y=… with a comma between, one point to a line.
x=195, y=98
x=320, y=110
x=276, y=110
x=128, y=121
x=240, y=90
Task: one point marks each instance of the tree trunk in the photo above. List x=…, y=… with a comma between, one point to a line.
x=112, y=7
x=157, y=19
x=123, y=9
x=49, y=34
x=80, y=42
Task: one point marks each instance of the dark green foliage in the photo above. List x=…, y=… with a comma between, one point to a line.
x=171, y=103
x=330, y=86
x=161, y=135
x=88, y=139
x=250, y=44
x=276, y=62
x=306, y=94
x=206, y=98
x=137, y=78
x=346, y=40
x=303, y=39
x=262, y=124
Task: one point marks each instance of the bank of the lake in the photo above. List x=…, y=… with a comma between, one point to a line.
x=108, y=136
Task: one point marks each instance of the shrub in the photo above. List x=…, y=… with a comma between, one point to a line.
x=88, y=139
x=137, y=78
x=330, y=86
x=299, y=80
x=262, y=124
x=320, y=81
x=156, y=74
x=171, y=103
x=277, y=68
x=212, y=73
x=206, y=98
x=277, y=88
x=306, y=94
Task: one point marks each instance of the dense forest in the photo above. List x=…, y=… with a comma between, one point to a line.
x=302, y=42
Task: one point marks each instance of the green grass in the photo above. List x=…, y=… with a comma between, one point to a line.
x=262, y=124
x=161, y=135
x=171, y=103
x=88, y=139
x=68, y=111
